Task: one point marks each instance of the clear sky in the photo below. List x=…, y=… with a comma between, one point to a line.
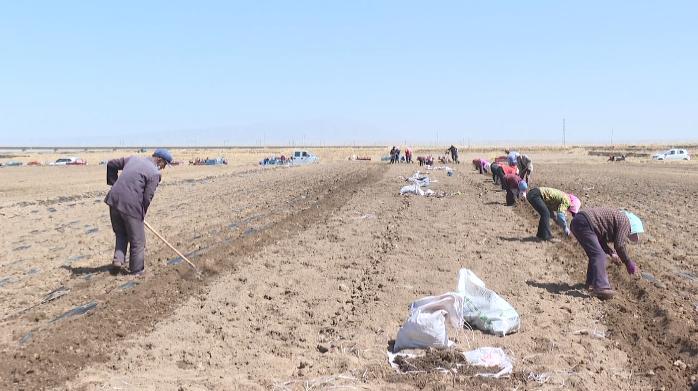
x=364, y=72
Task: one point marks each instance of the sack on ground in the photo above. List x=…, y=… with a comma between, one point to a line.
x=483, y=308
x=426, y=325
x=490, y=357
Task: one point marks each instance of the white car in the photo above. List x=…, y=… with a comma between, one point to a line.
x=68, y=161
x=672, y=154
x=303, y=157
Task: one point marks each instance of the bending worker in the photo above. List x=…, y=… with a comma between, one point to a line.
x=484, y=166
x=128, y=202
x=515, y=187
x=525, y=167
x=546, y=200
x=593, y=228
x=500, y=170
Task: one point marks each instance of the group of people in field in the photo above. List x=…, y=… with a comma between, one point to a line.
x=396, y=157
x=593, y=228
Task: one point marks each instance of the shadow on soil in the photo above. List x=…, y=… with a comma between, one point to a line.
x=515, y=239
x=81, y=271
x=560, y=288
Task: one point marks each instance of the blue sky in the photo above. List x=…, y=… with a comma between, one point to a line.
x=333, y=72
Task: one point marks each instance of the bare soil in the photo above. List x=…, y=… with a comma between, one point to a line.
x=309, y=271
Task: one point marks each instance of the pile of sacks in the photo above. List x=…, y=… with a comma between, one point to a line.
x=471, y=303
x=417, y=181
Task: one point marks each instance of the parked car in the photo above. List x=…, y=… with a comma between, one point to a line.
x=672, y=154
x=63, y=161
x=13, y=163
x=304, y=157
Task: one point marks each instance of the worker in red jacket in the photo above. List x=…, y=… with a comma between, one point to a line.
x=515, y=187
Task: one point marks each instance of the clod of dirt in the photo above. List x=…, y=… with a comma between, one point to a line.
x=210, y=267
x=680, y=364
x=648, y=276
x=439, y=360
x=322, y=349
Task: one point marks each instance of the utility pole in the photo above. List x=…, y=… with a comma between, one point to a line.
x=563, y=132
x=611, y=136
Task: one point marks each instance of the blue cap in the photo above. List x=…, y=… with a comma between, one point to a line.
x=163, y=154
x=635, y=223
x=523, y=186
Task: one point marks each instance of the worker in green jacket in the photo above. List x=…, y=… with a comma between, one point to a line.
x=548, y=201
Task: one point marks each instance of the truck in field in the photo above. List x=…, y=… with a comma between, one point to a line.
x=304, y=157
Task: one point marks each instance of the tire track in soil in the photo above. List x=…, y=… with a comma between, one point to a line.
x=58, y=354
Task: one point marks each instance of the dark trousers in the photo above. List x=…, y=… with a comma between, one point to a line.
x=597, y=277
x=526, y=175
x=497, y=174
x=536, y=200
x=500, y=177
x=128, y=231
x=511, y=198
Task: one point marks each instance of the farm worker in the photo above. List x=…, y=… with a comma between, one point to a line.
x=502, y=170
x=525, y=166
x=546, y=200
x=128, y=202
x=594, y=228
x=512, y=157
x=497, y=172
x=408, y=155
x=454, y=153
x=484, y=166
x=514, y=186
x=476, y=163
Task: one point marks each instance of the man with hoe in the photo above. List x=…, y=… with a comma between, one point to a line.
x=128, y=202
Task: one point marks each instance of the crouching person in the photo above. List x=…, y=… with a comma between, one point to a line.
x=594, y=228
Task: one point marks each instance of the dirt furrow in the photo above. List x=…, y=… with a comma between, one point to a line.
x=56, y=352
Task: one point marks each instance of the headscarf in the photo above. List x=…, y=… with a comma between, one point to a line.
x=635, y=223
x=575, y=203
